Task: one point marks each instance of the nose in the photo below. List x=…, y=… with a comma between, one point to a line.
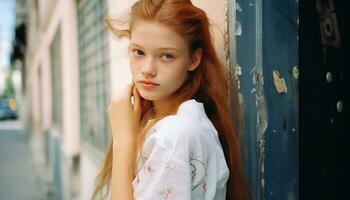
x=149, y=67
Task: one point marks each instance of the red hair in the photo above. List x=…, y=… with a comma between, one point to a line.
x=210, y=83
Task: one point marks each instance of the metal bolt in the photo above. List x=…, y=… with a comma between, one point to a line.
x=329, y=77
x=340, y=106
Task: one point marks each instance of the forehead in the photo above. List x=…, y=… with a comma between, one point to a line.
x=150, y=34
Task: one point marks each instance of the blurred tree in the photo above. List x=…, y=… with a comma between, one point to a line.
x=9, y=90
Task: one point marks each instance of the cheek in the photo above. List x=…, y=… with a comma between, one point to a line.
x=133, y=67
x=182, y=69
x=176, y=73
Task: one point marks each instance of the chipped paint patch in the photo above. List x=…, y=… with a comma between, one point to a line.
x=295, y=72
x=240, y=99
x=237, y=29
x=238, y=7
x=279, y=82
x=238, y=84
x=258, y=81
x=238, y=70
x=262, y=119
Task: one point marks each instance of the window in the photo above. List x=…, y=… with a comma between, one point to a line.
x=55, y=51
x=93, y=72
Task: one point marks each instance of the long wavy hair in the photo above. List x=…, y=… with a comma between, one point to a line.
x=211, y=83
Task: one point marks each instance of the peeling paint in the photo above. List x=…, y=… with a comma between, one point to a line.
x=258, y=81
x=227, y=51
x=262, y=162
x=252, y=91
x=262, y=118
x=237, y=31
x=240, y=97
x=251, y=4
x=279, y=82
x=251, y=20
x=262, y=183
x=238, y=70
x=226, y=36
x=295, y=72
x=238, y=7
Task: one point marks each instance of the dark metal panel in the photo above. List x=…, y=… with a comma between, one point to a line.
x=242, y=37
x=264, y=56
x=324, y=96
x=280, y=69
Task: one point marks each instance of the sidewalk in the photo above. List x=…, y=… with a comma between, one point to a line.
x=18, y=179
x=10, y=125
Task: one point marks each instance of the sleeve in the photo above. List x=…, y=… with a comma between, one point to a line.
x=163, y=175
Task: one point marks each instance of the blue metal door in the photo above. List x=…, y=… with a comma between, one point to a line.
x=264, y=56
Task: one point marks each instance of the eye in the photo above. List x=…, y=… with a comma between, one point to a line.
x=168, y=56
x=137, y=52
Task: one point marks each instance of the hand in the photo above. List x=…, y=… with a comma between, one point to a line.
x=124, y=118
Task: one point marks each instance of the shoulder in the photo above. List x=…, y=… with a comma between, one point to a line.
x=186, y=132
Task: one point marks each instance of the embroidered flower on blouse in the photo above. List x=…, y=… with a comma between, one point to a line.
x=204, y=185
x=167, y=192
x=148, y=169
x=144, y=158
x=198, y=172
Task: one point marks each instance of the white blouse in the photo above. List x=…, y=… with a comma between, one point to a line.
x=182, y=158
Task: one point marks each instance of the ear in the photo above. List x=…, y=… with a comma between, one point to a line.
x=195, y=59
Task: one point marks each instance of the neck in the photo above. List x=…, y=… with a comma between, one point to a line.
x=159, y=107
x=164, y=107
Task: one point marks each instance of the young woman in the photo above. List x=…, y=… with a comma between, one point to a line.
x=177, y=139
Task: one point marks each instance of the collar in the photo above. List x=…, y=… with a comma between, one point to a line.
x=191, y=105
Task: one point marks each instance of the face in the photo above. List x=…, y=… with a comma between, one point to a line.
x=159, y=60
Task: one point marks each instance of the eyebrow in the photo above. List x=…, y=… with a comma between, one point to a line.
x=163, y=48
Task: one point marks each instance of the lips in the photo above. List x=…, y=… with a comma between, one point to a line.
x=148, y=84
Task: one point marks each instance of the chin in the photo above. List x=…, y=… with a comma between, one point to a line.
x=147, y=95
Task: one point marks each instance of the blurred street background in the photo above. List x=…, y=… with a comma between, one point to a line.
x=18, y=173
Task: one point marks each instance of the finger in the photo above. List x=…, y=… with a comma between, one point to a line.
x=128, y=91
x=137, y=100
